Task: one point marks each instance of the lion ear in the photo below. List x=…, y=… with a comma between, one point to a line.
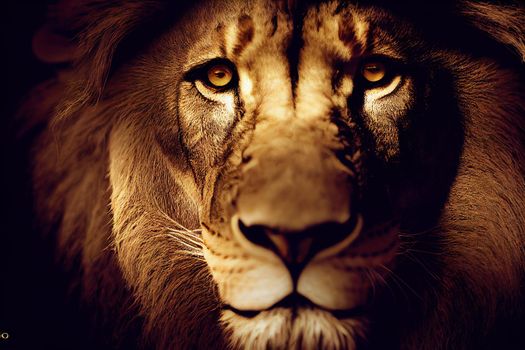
x=504, y=23
x=52, y=47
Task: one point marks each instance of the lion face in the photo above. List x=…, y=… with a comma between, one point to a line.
x=291, y=136
x=309, y=175
x=283, y=222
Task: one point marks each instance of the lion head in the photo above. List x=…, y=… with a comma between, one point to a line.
x=271, y=174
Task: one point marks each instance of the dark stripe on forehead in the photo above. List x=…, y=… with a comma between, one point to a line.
x=244, y=35
x=347, y=34
x=287, y=6
x=220, y=31
x=275, y=23
x=291, y=4
x=296, y=43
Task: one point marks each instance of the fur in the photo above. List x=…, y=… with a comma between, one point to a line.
x=137, y=186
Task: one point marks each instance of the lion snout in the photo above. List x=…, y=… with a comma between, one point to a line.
x=294, y=198
x=294, y=193
x=287, y=203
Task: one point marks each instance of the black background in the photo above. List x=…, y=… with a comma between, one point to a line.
x=32, y=312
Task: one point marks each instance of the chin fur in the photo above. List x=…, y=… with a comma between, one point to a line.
x=283, y=328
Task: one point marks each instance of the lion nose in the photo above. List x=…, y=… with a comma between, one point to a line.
x=297, y=247
x=294, y=193
x=294, y=196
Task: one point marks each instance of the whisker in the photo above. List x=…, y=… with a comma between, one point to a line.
x=196, y=239
x=173, y=221
x=427, y=231
x=369, y=276
x=191, y=243
x=422, y=264
x=379, y=276
x=420, y=251
x=189, y=239
x=397, y=279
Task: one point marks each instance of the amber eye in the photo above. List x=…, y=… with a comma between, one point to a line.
x=219, y=76
x=373, y=71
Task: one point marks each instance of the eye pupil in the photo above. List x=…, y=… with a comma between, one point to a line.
x=219, y=75
x=374, y=71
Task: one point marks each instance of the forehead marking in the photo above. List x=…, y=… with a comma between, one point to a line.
x=331, y=35
x=257, y=44
x=323, y=36
x=245, y=33
x=353, y=32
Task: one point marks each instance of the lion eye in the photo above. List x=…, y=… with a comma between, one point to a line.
x=219, y=76
x=373, y=72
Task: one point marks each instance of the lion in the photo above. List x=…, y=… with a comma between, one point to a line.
x=286, y=174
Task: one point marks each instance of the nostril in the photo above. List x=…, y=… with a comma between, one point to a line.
x=256, y=234
x=296, y=247
x=332, y=233
x=293, y=248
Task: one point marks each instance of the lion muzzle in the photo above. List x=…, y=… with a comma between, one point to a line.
x=293, y=213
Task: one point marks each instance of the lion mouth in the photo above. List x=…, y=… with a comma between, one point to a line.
x=295, y=303
x=337, y=280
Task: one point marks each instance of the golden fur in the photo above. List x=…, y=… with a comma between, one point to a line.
x=138, y=185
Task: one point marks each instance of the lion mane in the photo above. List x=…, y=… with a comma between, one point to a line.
x=140, y=265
